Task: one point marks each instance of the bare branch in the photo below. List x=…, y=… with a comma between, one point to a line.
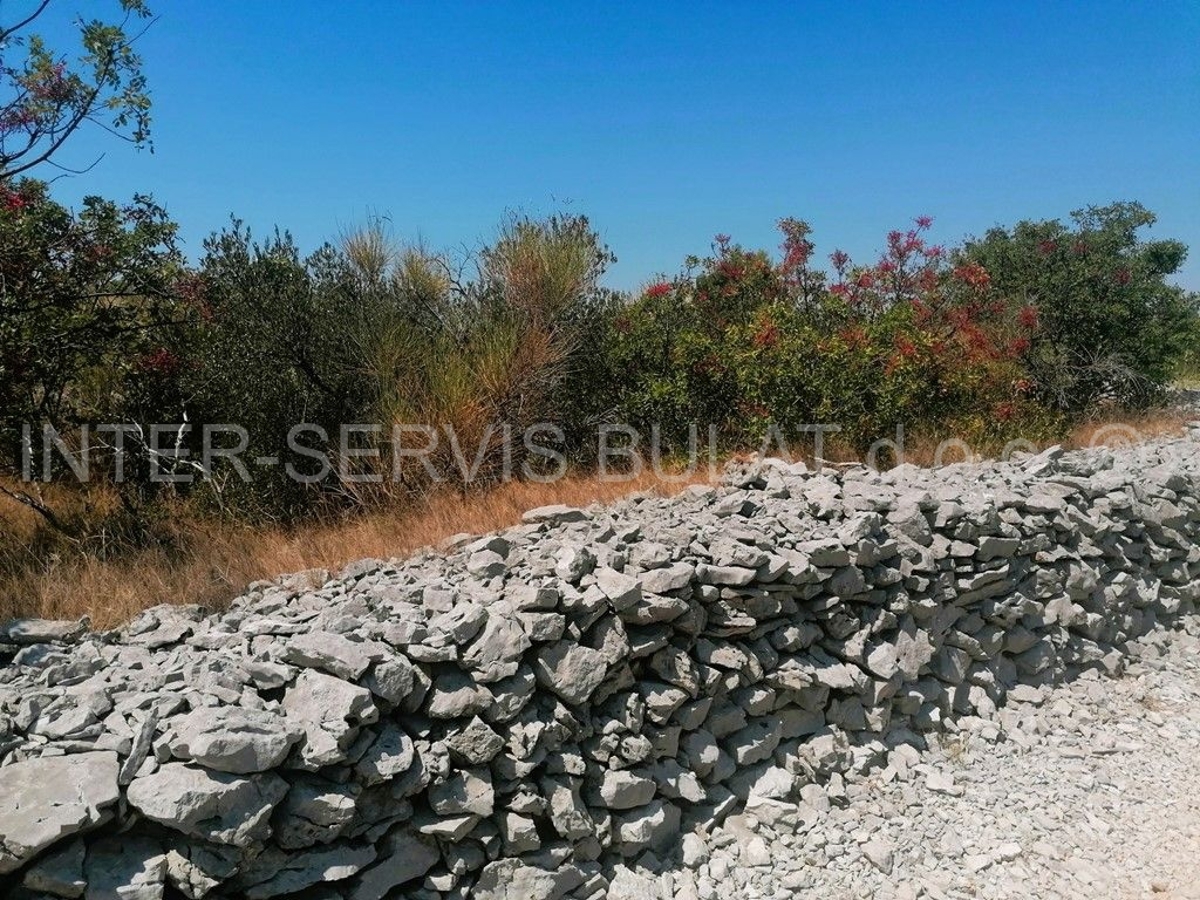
x=6, y=33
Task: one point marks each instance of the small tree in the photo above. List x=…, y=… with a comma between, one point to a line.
x=88, y=304
x=45, y=97
x=83, y=298
x=1106, y=324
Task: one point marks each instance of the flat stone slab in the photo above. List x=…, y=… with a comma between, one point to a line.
x=45, y=800
x=40, y=631
x=214, y=806
x=232, y=739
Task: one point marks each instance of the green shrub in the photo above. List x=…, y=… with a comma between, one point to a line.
x=514, y=346
x=1109, y=327
x=87, y=302
x=368, y=332
x=1187, y=367
x=287, y=340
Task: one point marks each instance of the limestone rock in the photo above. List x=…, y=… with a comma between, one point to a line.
x=475, y=744
x=554, y=515
x=496, y=653
x=652, y=825
x=51, y=798
x=511, y=879
x=332, y=653
x=26, y=632
x=391, y=754
x=571, y=671
x=329, y=711
x=622, y=789
x=468, y=791
x=59, y=872
x=314, y=811
x=214, y=806
x=298, y=871
x=232, y=739
x=404, y=857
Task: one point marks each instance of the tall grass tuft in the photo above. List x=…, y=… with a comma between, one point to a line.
x=472, y=357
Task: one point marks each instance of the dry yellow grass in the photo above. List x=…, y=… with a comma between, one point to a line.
x=1114, y=430
x=1124, y=430
x=213, y=562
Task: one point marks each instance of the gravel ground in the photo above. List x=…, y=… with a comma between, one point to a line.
x=1088, y=789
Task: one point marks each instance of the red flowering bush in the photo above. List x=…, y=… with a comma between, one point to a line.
x=1097, y=319
x=162, y=362
x=908, y=270
x=918, y=338
x=13, y=199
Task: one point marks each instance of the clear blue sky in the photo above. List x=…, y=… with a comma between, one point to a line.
x=665, y=123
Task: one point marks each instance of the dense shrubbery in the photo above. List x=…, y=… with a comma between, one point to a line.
x=87, y=299
x=83, y=297
x=367, y=334
x=917, y=340
x=1187, y=367
x=911, y=340
x=1008, y=335
x=1107, y=325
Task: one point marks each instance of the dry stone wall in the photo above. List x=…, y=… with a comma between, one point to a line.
x=513, y=717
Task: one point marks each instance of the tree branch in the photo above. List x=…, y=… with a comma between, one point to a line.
x=6, y=33
x=28, y=500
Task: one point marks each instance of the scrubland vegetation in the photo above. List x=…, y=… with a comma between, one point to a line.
x=1026, y=332
x=1029, y=332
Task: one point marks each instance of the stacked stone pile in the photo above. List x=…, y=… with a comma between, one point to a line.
x=1085, y=789
x=516, y=717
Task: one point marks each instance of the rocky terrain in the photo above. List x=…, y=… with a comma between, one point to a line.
x=943, y=683
x=1088, y=789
